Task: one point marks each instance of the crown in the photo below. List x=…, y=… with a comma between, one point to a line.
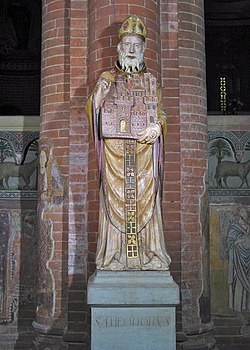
x=133, y=25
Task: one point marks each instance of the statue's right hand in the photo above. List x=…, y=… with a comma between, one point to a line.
x=102, y=89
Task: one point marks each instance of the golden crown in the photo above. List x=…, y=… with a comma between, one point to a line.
x=133, y=25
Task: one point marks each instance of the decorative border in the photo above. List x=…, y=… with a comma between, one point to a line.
x=23, y=195
x=130, y=199
x=19, y=140
x=230, y=192
x=237, y=138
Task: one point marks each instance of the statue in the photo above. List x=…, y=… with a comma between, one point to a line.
x=129, y=126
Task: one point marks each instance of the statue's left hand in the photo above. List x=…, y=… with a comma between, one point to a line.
x=150, y=134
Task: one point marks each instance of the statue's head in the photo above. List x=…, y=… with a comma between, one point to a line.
x=132, y=44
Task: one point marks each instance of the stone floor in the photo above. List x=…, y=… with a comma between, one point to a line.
x=234, y=347
x=233, y=343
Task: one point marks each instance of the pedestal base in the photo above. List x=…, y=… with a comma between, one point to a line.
x=133, y=310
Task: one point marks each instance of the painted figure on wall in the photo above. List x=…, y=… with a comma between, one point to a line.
x=51, y=195
x=238, y=242
x=129, y=126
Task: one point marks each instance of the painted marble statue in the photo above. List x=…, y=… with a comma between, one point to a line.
x=129, y=127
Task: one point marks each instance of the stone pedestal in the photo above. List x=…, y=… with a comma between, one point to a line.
x=133, y=310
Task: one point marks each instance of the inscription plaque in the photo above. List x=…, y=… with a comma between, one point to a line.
x=140, y=328
x=133, y=321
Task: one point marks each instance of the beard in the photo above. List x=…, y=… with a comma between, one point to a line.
x=128, y=64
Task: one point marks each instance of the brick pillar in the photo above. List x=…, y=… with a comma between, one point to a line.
x=61, y=304
x=105, y=18
x=78, y=170
x=170, y=90
x=51, y=317
x=195, y=292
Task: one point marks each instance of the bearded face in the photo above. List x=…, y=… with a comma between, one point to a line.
x=131, y=53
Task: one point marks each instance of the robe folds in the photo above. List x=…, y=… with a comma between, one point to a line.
x=111, y=247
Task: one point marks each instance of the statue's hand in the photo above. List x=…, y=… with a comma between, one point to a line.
x=102, y=89
x=150, y=134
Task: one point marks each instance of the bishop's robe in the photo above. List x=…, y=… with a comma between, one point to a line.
x=114, y=172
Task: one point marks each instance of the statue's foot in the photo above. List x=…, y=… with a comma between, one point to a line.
x=115, y=265
x=155, y=264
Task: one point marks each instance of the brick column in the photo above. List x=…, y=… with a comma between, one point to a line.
x=51, y=320
x=195, y=292
x=170, y=89
x=62, y=212
x=105, y=18
x=78, y=170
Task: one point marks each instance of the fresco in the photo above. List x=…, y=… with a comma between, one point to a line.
x=238, y=245
x=230, y=264
x=18, y=257
x=229, y=162
x=18, y=238
x=18, y=161
x=51, y=195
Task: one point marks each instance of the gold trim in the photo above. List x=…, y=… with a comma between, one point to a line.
x=130, y=199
